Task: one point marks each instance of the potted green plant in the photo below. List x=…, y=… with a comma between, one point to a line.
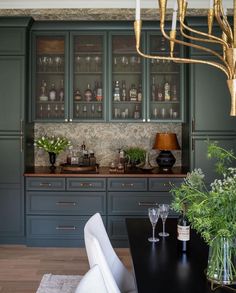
x=53, y=145
x=135, y=156
x=212, y=213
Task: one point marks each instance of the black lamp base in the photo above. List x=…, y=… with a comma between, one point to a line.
x=165, y=160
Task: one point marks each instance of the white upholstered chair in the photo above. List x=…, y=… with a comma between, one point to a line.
x=100, y=251
x=92, y=282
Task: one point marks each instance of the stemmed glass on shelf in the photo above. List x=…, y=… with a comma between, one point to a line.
x=153, y=214
x=164, y=211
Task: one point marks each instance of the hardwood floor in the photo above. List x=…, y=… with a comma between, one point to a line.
x=21, y=267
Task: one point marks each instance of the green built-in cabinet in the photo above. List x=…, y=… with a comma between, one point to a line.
x=13, y=93
x=92, y=72
x=208, y=110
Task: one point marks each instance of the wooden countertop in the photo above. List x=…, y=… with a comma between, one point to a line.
x=104, y=172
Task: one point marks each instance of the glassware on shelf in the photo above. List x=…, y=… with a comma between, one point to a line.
x=133, y=63
x=163, y=113
x=41, y=111
x=78, y=63
x=124, y=62
x=97, y=61
x=49, y=110
x=44, y=63
x=117, y=113
x=50, y=64
x=62, y=110
x=77, y=111
x=56, y=110
x=137, y=112
x=93, y=108
x=99, y=109
x=155, y=113
x=88, y=63
x=58, y=63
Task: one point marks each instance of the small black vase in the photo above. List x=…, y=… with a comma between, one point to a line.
x=52, y=160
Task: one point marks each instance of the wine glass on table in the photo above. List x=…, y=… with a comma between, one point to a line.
x=153, y=214
x=164, y=211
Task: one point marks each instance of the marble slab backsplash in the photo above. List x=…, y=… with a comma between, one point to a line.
x=106, y=138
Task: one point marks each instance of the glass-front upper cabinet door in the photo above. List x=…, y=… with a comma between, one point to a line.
x=88, y=82
x=49, y=85
x=126, y=86
x=164, y=89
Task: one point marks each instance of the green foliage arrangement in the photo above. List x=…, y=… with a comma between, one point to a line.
x=211, y=212
x=52, y=144
x=135, y=155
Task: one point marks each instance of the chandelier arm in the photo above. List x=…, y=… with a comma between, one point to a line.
x=206, y=49
x=215, y=64
x=220, y=22
x=211, y=38
x=225, y=21
x=184, y=60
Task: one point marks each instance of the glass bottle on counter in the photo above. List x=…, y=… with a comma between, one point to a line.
x=52, y=93
x=183, y=231
x=92, y=159
x=116, y=94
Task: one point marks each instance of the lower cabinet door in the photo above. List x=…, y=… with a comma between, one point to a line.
x=56, y=230
x=11, y=214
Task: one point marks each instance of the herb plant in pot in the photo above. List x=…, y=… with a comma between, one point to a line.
x=212, y=213
x=134, y=156
x=53, y=145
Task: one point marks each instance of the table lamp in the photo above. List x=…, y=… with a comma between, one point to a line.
x=165, y=142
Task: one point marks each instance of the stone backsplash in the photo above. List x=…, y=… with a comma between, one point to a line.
x=106, y=138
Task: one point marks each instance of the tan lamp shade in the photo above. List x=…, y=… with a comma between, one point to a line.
x=166, y=142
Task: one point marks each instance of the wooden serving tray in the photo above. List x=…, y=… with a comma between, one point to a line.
x=79, y=168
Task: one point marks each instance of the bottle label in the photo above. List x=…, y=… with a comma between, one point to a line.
x=183, y=233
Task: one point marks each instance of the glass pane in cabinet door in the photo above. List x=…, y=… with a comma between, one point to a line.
x=164, y=91
x=127, y=79
x=88, y=99
x=50, y=76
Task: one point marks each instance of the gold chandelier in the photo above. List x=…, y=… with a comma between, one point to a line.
x=226, y=60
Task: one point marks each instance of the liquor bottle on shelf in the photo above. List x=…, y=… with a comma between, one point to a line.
x=140, y=93
x=153, y=89
x=166, y=90
x=95, y=89
x=61, y=91
x=137, y=112
x=159, y=93
x=133, y=93
x=88, y=95
x=183, y=231
x=43, y=96
x=99, y=95
x=123, y=91
x=77, y=96
x=116, y=93
x=174, y=93
x=52, y=93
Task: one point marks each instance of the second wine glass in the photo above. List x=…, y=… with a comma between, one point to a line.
x=153, y=214
x=164, y=211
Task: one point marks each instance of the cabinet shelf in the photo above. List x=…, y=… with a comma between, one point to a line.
x=165, y=72
x=127, y=102
x=51, y=72
x=165, y=102
x=88, y=73
x=50, y=102
x=90, y=102
x=126, y=72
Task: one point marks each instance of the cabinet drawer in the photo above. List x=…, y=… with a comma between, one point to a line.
x=56, y=227
x=127, y=184
x=163, y=184
x=45, y=183
x=86, y=184
x=133, y=203
x=70, y=203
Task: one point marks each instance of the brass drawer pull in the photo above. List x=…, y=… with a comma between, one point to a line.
x=147, y=203
x=45, y=184
x=127, y=184
x=66, y=203
x=65, y=228
x=86, y=184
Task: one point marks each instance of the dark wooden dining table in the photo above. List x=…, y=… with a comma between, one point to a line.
x=160, y=267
